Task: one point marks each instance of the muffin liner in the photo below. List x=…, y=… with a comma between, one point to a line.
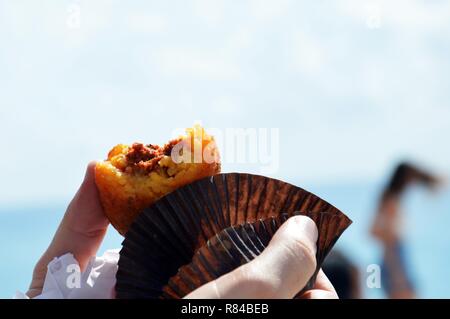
x=166, y=235
x=237, y=245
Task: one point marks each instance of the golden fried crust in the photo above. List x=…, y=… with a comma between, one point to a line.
x=125, y=192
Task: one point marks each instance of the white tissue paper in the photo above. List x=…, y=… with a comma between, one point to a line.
x=64, y=281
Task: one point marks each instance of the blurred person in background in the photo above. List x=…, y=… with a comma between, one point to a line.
x=387, y=228
x=343, y=274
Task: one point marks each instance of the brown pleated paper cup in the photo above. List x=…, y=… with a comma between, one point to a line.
x=174, y=246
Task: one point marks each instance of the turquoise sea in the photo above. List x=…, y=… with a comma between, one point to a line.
x=26, y=230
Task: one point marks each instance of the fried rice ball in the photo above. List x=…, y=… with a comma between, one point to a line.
x=135, y=176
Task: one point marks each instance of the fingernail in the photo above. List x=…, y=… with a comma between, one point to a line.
x=308, y=225
x=303, y=227
x=89, y=174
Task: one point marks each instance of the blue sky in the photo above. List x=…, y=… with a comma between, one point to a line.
x=352, y=85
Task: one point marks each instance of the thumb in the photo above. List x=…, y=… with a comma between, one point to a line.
x=280, y=271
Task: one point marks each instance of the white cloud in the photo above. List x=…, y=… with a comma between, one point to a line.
x=240, y=39
x=195, y=63
x=147, y=23
x=269, y=9
x=211, y=11
x=226, y=105
x=307, y=53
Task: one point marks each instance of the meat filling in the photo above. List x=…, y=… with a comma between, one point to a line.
x=144, y=158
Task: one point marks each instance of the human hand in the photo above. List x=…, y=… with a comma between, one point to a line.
x=80, y=232
x=281, y=271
